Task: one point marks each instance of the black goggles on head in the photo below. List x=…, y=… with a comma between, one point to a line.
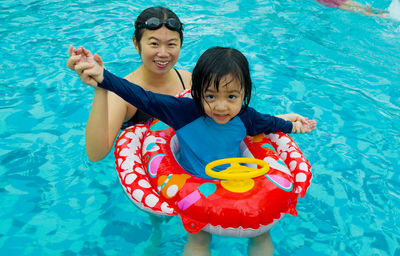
x=156, y=23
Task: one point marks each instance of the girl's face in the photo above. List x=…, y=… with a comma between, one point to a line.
x=226, y=103
x=159, y=49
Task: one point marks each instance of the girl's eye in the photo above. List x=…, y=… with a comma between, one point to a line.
x=232, y=97
x=153, y=43
x=172, y=44
x=210, y=97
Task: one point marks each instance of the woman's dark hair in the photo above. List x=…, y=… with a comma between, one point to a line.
x=213, y=65
x=154, y=12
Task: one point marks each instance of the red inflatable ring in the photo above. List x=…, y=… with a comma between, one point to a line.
x=155, y=182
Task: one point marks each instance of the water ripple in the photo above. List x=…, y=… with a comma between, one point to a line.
x=336, y=67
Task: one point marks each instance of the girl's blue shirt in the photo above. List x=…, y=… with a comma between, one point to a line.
x=201, y=139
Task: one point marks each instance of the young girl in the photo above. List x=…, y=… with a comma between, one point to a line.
x=212, y=124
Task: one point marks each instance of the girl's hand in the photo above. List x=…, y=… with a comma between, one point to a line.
x=89, y=67
x=91, y=71
x=293, y=117
x=74, y=57
x=303, y=125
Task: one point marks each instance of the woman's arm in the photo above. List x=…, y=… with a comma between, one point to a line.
x=107, y=113
x=106, y=117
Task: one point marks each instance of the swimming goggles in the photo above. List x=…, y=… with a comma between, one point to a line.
x=156, y=23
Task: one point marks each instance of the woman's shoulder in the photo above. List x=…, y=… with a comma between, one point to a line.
x=133, y=77
x=186, y=77
x=184, y=73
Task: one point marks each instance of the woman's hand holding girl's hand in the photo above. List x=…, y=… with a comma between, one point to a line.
x=89, y=67
x=91, y=71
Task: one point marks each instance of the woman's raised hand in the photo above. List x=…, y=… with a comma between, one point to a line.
x=89, y=67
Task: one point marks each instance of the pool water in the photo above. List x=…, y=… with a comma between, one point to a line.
x=339, y=68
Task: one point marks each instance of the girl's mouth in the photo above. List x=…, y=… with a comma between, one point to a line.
x=220, y=117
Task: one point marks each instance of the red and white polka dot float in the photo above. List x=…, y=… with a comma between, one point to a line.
x=156, y=183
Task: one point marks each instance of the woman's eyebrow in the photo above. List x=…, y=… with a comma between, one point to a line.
x=157, y=39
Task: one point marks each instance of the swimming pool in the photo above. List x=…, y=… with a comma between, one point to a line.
x=336, y=67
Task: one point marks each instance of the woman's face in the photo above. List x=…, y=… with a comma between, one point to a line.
x=159, y=49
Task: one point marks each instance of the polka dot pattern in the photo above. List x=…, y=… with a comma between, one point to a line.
x=132, y=175
x=290, y=153
x=130, y=178
x=172, y=190
x=151, y=200
x=131, y=143
x=144, y=184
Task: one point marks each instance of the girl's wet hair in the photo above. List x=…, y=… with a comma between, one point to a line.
x=213, y=65
x=154, y=12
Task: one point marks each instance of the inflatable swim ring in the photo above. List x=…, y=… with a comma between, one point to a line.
x=154, y=181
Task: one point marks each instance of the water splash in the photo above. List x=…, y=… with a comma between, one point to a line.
x=394, y=10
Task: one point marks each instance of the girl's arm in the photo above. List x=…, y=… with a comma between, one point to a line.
x=161, y=106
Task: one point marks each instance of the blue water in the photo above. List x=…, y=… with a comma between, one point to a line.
x=339, y=68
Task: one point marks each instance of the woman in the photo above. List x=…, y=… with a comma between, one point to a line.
x=158, y=38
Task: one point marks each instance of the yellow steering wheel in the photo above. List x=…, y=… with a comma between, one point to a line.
x=237, y=178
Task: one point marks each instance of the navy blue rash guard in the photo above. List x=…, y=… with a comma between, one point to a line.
x=201, y=139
